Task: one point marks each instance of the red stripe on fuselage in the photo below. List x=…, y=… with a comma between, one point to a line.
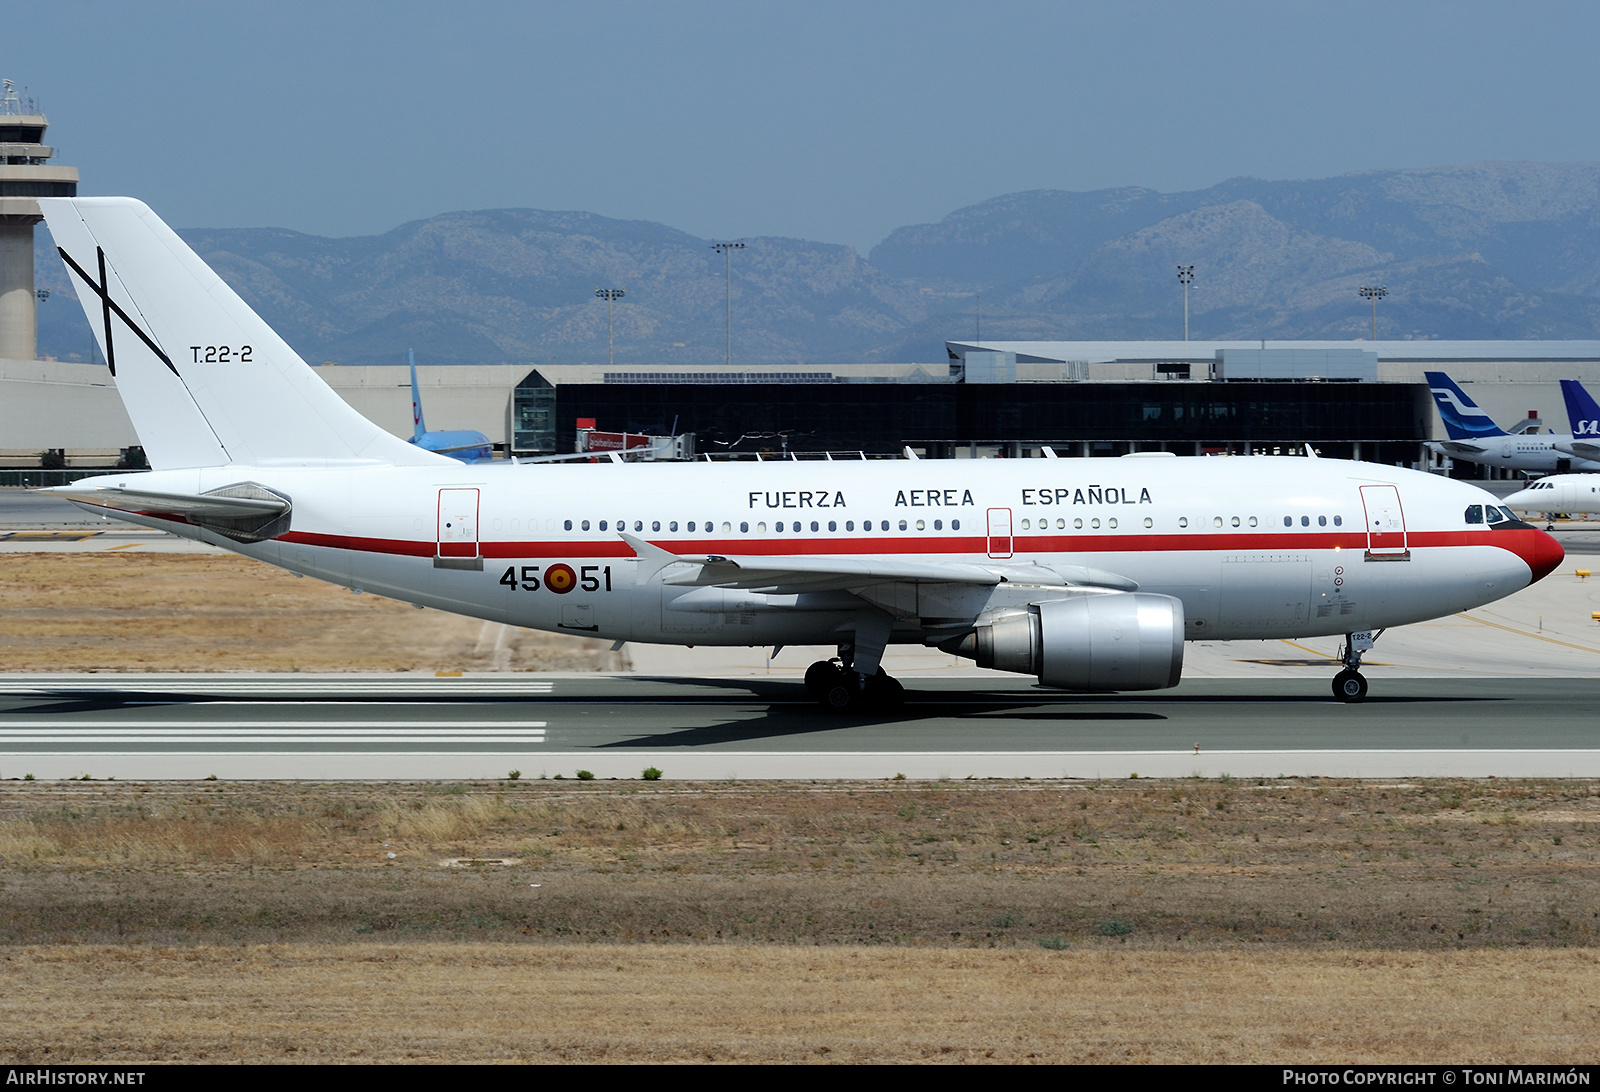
x=1514, y=540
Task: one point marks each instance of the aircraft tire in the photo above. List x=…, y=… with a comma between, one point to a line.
x=819, y=676
x=885, y=692
x=1350, y=686
x=840, y=695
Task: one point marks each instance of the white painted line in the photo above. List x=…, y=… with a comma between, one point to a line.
x=8, y=726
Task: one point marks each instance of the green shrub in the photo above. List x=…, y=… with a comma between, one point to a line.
x=1055, y=944
x=585, y=775
x=514, y=775
x=651, y=774
x=1115, y=927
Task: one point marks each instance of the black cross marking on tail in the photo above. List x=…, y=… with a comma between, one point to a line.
x=108, y=306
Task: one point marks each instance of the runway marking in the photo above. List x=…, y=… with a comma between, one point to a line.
x=1525, y=633
x=305, y=731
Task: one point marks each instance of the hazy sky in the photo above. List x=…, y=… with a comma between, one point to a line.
x=828, y=121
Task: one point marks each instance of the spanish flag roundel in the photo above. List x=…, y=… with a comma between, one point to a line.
x=560, y=579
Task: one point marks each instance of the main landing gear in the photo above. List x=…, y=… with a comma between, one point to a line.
x=1349, y=685
x=838, y=689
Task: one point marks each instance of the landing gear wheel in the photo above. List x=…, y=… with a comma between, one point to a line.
x=884, y=692
x=1350, y=686
x=840, y=695
x=821, y=675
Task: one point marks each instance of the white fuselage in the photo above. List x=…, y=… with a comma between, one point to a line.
x=1254, y=547
x=1559, y=493
x=1541, y=453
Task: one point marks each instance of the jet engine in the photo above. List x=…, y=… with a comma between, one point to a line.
x=1129, y=641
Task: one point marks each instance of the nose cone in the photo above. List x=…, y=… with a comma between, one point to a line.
x=1541, y=552
x=1522, y=498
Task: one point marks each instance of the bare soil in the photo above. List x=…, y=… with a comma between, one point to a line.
x=206, y=612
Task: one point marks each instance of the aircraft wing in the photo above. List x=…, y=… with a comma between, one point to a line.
x=1457, y=447
x=1581, y=448
x=791, y=573
x=245, y=512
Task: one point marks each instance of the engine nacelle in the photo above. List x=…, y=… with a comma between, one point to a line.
x=1132, y=641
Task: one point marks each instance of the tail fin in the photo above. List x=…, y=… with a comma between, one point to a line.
x=1463, y=420
x=417, y=427
x=204, y=379
x=1582, y=413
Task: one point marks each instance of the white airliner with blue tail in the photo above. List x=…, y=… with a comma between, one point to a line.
x=1475, y=438
x=1087, y=573
x=1568, y=493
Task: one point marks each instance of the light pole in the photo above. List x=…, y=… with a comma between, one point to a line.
x=611, y=296
x=726, y=250
x=1186, y=278
x=1374, y=294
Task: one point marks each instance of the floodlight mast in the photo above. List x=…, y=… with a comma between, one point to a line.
x=1186, y=278
x=610, y=295
x=1374, y=294
x=726, y=250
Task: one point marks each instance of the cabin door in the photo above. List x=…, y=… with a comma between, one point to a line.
x=458, y=524
x=1386, y=521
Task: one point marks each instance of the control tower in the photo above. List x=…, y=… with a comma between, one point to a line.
x=25, y=175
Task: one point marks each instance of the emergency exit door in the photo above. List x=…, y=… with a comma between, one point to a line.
x=1000, y=542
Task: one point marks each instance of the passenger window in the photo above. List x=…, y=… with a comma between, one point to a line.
x=655, y=525
x=1183, y=521
x=1077, y=524
x=726, y=526
x=938, y=525
x=886, y=525
x=1094, y=524
x=1305, y=521
x=1288, y=521
x=1322, y=521
x=1236, y=521
x=585, y=525
x=1112, y=523
x=1338, y=521
x=673, y=526
x=1148, y=522
x=567, y=525
x=1216, y=521
x=1252, y=521
x=921, y=526
x=816, y=526
x=638, y=525
x=1474, y=513
x=691, y=527
x=761, y=528
x=744, y=528
x=1024, y=525
x=849, y=525
x=602, y=525
x=955, y=525
x=780, y=526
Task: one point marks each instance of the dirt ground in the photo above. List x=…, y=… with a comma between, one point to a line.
x=1178, y=920
x=204, y=612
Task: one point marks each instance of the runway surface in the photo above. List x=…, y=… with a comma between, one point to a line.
x=367, y=727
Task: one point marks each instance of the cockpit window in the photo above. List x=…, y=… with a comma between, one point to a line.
x=1474, y=513
x=1494, y=514
x=1510, y=515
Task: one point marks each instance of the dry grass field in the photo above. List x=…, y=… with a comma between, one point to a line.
x=208, y=612
x=968, y=921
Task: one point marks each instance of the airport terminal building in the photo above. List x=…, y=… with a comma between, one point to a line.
x=1353, y=399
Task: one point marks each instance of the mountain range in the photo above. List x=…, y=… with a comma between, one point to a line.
x=1486, y=250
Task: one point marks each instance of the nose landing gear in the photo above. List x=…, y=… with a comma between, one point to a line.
x=1349, y=685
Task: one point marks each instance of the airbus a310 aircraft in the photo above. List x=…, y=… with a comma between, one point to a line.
x=1089, y=574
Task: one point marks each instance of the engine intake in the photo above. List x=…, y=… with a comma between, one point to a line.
x=1131, y=641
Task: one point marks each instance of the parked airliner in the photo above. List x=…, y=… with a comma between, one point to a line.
x=465, y=445
x=1089, y=574
x=1475, y=438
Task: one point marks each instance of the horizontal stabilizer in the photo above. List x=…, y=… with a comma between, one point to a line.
x=245, y=512
x=1583, y=449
